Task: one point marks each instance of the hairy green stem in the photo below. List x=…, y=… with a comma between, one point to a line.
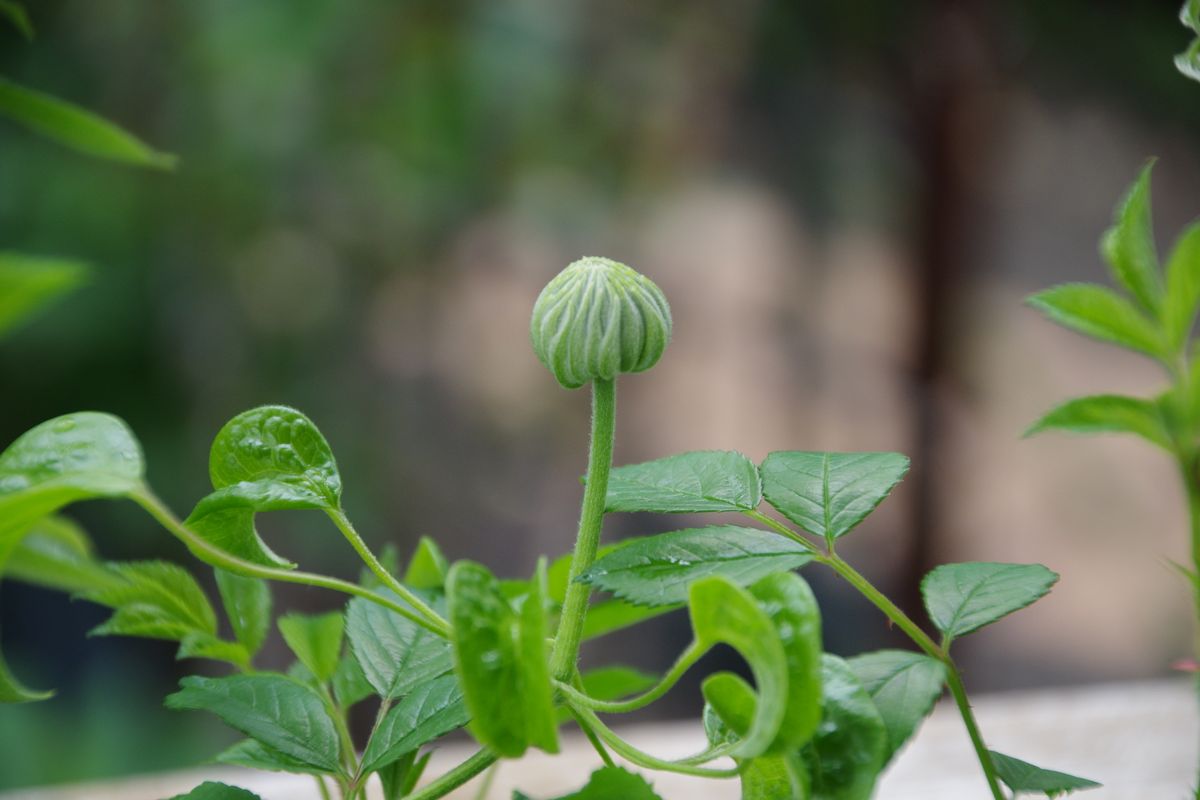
x=456, y=777
x=644, y=759
x=356, y=541
x=592, y=738
x=570, y=626
x=682, y=664
x=322, y=788
x=218, y=557
x=954, y=681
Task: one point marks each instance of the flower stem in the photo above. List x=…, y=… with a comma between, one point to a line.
x=570, y=627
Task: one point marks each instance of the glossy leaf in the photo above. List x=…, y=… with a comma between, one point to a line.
x=57, y=554
x=247, y=604
x=16, y=15
x=396, y=654
x=657, y=570
x=1102, y=314
x=316, y=641
x=212, y=790
x=500, y=660
x=790, y=605
x=30, y=283
x=73, y=127
x=962, y=598
x=431, y=710
x=1183, y=289
x=705, y=480
x=1128, y=245
x=1107, y=413
x=1025, y=778
x=724, y=613
x=846, y=756
x=828, y=494
x=231, y=529
x=904, y=687
x=253, y=754
x=277, y=711
x=428, y=567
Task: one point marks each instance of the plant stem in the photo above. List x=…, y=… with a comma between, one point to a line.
x=456, y=777
x=215, y=556
x=356, y=541
x=954, y=681
x=322, y=787
x=682, y=664
x=1191, y=486
x=570, y=627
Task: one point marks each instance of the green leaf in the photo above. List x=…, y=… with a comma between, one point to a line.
x=615, y=683
x=689, y=483
x=828, y=494
x=253, y=754
x=724, y=613
x=1189, y=15
x=1102, y=314
x=608, y=616
x=1183, y=289
x=350, y=685
x=962, y=598
x=69, y=458
x=1188, y=62
x=428, y=567
x=1107, y=413
x=15, y=14
x=247, y=604
x=13, y=691
x=609, y=783
x=205, y=645
x=1025, y=778
x=657, y=570
x=57, y=554
x=277, y=711
x=431, y=710
x=848, y=753
x=73, y=127
x=316, y=641
x=904, y=687
x=728, y=712
x=155, y=599
x=396, y=654
x=400, y=777
x=211, y=790
x=500, y=660
x=29, y=283
x=1128, y=245
x=790, y=605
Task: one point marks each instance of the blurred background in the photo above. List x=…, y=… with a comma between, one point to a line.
x=845, y=203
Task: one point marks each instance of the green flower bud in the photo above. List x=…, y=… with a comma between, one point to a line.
x=598, y=318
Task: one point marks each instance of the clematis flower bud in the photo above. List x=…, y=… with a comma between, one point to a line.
x=598, y=318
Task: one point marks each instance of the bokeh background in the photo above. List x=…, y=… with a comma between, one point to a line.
x=845, y=202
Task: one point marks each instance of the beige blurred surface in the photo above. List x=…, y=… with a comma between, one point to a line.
x=1138, y=739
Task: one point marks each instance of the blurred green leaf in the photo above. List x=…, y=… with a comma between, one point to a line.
x=431, y=710
x=57, y=554
x=211, y=790
x=848, y=753
x=13, y=691
x=829, y=494
x=1102, y=314
x=247, y=604
x=616, y=682
x=904, y=687
x=1107, y=413
x=428, y=567
x=1183, y=289
x=609, y=783
x=608, y=616
x=962, y=598
x=253, y=754
x=657, y=570
x=316, y=641
x=16, y=15
x=708, y=480
x=277, y=711
x=73, y=127
x=1128, y=245
x=350, y=685
x=400, y=777
x=1188, y=62
x=1025, y=778
x=29, y=283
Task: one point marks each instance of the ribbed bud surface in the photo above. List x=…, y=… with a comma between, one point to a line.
x=598, y=318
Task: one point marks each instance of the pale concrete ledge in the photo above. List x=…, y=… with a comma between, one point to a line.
x=1140, y=740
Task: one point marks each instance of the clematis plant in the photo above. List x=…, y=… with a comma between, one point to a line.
x=436, y=647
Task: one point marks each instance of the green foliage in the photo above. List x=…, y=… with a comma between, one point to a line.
x=609, y=783
x=1188, y=62
x=253, y=754
x=851, y=745
x=211, y=790
x=395, y=654
x=400, y=777
x=431, y=710
x=316, y=641
x=962, y=598
x=613, y=683
x=30, y=283
x=657, y=570
x=500, y=660
x=828, y=494
x=17, y=17
x=1025, y=778
x=1101, y=314
x=428, y=567
x=57, y=554
x=73, y=127
x=904, y=687
x=689, y=483
x=1108, y=413
x=283, y=714
x=247, y=604
x=1128, y=245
